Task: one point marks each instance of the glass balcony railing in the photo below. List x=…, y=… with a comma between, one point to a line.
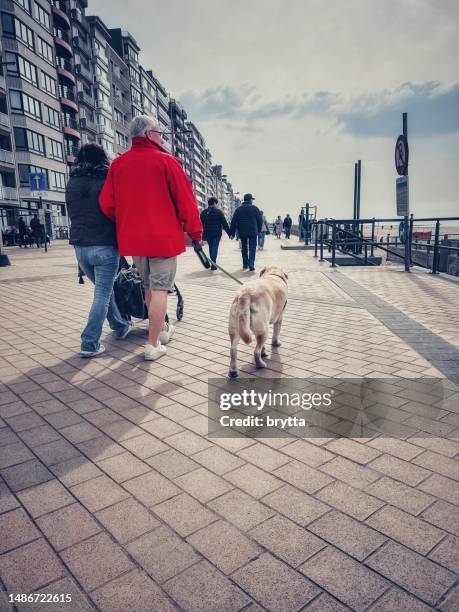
x=6, y=156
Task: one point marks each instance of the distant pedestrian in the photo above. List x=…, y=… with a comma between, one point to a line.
x=247, y=222
x=36, y=228
x=278, y=227
x=22, y=229
x=213, y=221
x=264, y=231
x=94, y=239
x=287, y=225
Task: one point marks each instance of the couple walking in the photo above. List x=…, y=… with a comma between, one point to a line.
x=138, y=206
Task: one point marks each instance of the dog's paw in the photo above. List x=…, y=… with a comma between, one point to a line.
x=275, y=343
x=264, y=353
x=233, y=374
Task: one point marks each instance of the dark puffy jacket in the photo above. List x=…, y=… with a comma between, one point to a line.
x=247, y=221
x=213, y=221
x=287, y=223
x=89, y=226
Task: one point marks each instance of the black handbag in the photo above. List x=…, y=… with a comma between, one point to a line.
x=130, y=294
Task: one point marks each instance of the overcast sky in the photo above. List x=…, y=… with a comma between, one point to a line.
x=290, y=93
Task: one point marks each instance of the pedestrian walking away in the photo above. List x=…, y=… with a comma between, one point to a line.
x=247, y=222
x=213, y=222
x=35, y=226
x=264, y=231
x=150, y=197
x=93, y=236
x=287, y=225
x=278, y=227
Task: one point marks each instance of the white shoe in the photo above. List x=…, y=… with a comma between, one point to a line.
x=99, y=351
x=127, y=332
x=166, y=335
x=152, y=353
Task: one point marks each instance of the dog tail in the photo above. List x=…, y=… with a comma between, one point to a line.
x=244, y=318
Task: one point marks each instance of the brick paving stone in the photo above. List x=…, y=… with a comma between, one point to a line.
x=325, y=603
x=447, y=553
x=406, y=529
x=16, y=529
x=80, y=432
x=286, y=540
x=100, y=448
x=203, y=484
x=26, y=475
x=346, y=533
x=349, y=500
x=437, y=463
x=45, y=498
x=187, y=442
x=14, y=409
x=448, y=448
x=24, y=421
x=406, y=472
x=399, y=448
x=39, y=435
x=185, y=514
x=7, y=499
x=307, y=453
x=63, y=418
x=413, y=572
x=400, y=495
x=264, y=457
x=163, y=428
x=151, y=488
x=127, y=520
x=67, y=526
x=162, y=554
x=96, y=560
x=7, y=436
x=224, y=546
x=14, y=454
x=444, y=515
x=63, y=586
x=451, y=601
x=123, y=467
x=218, y=460
x=201, y=588
x=144, y=446
x=135, y=592
x=275, y=585
x=241, y=509
x=349, y=472
x=98, y=493
x=352, y=583
x=76, y=470
x=295, y=505
x=29, y=567
x=442, y=487
x=396, y=600
x=254, y=481
x=171, y=463
x=56, y=452
x=353, y=450
x=303, y=477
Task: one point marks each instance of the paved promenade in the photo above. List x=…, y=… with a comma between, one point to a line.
x=111, y=490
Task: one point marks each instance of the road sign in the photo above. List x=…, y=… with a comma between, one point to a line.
x=37, y=181
x=401, y=155
x=401, y=188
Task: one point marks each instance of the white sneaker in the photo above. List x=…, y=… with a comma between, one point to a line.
x=166, y=335
x=127, y=332
x=152, y=353
x=99, y=351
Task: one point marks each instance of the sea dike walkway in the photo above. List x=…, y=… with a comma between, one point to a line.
x=112, y=491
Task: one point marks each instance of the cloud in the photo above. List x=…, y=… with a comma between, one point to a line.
x=432, y=109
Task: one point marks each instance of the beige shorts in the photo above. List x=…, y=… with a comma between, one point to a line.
x=157, y=273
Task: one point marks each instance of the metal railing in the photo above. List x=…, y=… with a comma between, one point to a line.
x=357, y=238
x=6, y=156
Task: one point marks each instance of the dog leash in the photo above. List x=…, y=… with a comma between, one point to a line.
x=207, y=262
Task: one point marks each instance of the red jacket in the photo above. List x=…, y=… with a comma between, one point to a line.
x=149, y=197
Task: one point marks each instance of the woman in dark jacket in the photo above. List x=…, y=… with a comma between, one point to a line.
x=94, y=237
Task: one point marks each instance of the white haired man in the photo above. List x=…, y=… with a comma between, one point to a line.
x=150, y=198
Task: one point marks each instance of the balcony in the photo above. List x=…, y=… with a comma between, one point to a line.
x=6, y=157
x=87, y=124
x=106, y=130
x=70, y=151
x=103, y=105
x=78, y=16
x=84, y=71
x=8, y=193
x=64, y=70
x=62, y=42
x=100, y=54
x=5, y=122
x=82, y=44
x=67, y=98
x=60, y=18
x=100, y=79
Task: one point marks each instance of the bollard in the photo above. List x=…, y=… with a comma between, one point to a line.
x=436, y=251
x=315, y=239
x=333, y=245
x=321, y=242
x=406, y=234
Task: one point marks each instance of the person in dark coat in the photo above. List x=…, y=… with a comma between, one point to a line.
x=287, y=225
x=213, y=221
x=36, y=227
x=22, y=229
x=93, y=236
x=248, y=222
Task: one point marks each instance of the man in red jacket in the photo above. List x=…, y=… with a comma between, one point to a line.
x=149, y=197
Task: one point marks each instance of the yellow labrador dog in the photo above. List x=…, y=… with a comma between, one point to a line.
x=257, y=304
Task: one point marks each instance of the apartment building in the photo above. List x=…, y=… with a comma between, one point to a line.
x=196, y=152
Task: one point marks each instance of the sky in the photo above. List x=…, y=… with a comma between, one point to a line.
x=288, y=94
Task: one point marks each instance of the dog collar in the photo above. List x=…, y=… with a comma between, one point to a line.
x=278, y=276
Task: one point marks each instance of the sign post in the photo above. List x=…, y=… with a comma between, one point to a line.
x=38, y=184
x=402, y=187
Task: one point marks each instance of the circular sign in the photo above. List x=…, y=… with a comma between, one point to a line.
x=401, y=155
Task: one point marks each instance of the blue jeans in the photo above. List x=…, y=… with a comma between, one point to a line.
x=248, y=248
x=261, y=240
x=100, y=264
x=213, y=247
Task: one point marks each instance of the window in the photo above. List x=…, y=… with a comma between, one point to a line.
x=119, y=117
x=134, y=75
x=57, y=181
x=14, y=28
x=55, y=149
x=24, y=4
x=135, y=96
x=52, y=117
x=49, y=84
x=18, y=66
x=42, y=16
x=45, y=50
x=24, y=104
x=26, y=140
x=25, y=171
